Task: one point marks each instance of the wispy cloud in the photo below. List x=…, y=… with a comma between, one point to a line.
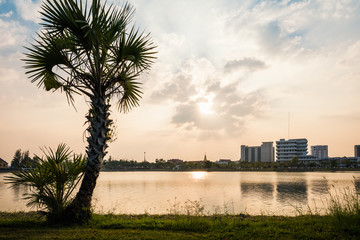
x=6, y=15
x=250, y=64
x=28, y=9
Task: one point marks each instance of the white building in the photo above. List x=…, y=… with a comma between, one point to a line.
x=287, y=149
x=320, y=151
x=263, y=153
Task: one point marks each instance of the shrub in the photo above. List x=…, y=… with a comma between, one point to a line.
x=51, y=180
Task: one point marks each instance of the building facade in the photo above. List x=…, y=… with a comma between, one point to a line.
x=357, y=151
x=320, y=151
x=263, y=153
x=287, y=149
x=3, y=163
x=175, y=161
x=223, y=161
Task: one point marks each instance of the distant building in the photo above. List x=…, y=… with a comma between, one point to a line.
x=263, y=153
x=175, y=161
x=223, y=161
x=3, y=163
x=267, y=152
x=320, y=151
x=357, y=150
x=287, y=149
x=199, y=161
x=250, y=154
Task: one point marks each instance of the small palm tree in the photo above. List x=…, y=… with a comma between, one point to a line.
x=90, y=50
x=51, y=180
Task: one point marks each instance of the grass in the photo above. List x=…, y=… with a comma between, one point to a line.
x=31, y=225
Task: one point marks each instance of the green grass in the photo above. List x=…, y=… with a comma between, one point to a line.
x=31, y=225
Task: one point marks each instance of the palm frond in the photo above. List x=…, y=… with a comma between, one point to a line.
x=130, y=92
x=42, y=58
x=138, y=49
x=68, y=16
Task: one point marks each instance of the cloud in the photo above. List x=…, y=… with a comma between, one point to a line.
x=6, y=15
x=291, y=28
x=9, y=75
x=250, y=64
x=207, y=104
x=178, y=90
x=11, y=34
x=28, y=9
x=352, y=56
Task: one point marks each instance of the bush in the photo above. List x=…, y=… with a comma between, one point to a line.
x=51, y=180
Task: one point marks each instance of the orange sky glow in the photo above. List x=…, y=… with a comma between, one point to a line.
x=228, y=73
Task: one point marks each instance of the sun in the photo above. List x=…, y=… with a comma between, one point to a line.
x=205, y=107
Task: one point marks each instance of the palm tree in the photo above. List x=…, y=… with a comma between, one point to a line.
x=90, y=50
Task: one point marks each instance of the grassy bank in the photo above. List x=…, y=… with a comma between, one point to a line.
x=32, y=226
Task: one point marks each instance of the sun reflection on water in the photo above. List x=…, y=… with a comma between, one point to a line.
x=198, y=175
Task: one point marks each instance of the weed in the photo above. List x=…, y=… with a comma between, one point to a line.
x=344, y=206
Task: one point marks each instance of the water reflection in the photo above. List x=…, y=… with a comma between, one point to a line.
x=290, y=192
x=357, y=184
x=319, y=186
x=198, y=175
x=264, y=190
x=253, y=192
x=2, y=186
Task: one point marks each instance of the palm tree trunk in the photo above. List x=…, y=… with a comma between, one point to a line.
x=98, y=117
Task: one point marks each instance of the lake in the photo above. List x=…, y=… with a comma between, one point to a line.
x=275, y=193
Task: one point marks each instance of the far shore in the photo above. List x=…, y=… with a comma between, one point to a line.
x=2, y=170
x=237, y=170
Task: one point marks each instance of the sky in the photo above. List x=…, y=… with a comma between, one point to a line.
x=228, y=73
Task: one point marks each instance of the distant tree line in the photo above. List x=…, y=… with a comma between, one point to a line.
x=22, y=159
x=161, y=164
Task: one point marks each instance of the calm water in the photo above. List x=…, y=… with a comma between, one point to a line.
x=232, y=192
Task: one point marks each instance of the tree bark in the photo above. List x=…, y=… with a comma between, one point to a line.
x=80, y=209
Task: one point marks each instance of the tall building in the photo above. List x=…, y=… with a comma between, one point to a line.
x=357, y=150
x=267, y=152
x=320, y=151
x=263, y=153
x=287, y=149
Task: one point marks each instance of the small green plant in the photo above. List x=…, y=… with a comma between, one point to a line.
x=345, y=202
x=189, y=208
x=51, y=180
x=345, y=207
